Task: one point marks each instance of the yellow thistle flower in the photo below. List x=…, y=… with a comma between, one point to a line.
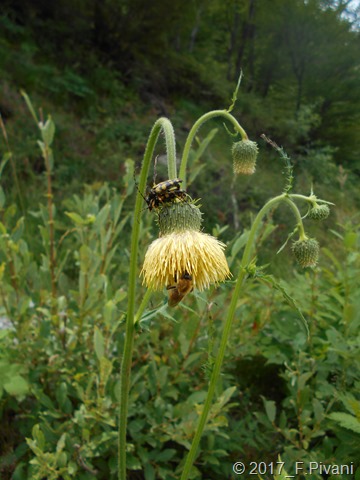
x=183, y=252
x=198, y=254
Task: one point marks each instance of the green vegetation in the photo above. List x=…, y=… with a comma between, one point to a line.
x=105, y=71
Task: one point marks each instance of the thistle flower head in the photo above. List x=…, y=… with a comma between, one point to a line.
x=182, y=251
x=306, y=252
x=244, y=157
x=198, y=254
x=319, y=212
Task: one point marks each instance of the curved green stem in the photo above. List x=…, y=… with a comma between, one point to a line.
x=170, y=148
x=247, y=255
x=195, y=128
x=297, y=214
x=165, y=125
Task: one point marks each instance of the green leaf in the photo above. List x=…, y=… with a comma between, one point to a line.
x=6, y=157
x=270, y=409
x=351, y=404
x=18, y=230
x=62, y=394
x=48, y=131
x=43, y=399
x=2, y=198
x=42, y=148
x=99, y=343
x=346, y=420
x=109, y=311
x=29, y=105
x=61, y=443
x=61, y=460
x=239, y=243
x=318, y=410
x=166, y=455
x=76, y=218
x=149, y=472
x=106, y=367
x=102, y=216
x=17, y=385
x=303, y=379
x=38, y=436
x=226, y=395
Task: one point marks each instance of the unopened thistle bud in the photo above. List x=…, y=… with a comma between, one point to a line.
x=244, y=157
x=306, y=252
x=319, y=212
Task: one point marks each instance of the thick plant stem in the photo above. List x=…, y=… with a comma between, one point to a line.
x=247, y=255
x=195, y=128
x=165, y=125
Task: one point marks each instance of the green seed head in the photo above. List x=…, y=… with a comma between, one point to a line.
x=244, y=157
x=319, y=212
x=306, y=252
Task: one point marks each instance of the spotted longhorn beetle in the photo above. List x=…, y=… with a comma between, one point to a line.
x=165, y=192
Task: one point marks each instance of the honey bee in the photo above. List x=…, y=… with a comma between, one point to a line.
x=182, y=287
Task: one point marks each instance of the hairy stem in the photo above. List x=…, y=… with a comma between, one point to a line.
x=165, y=125
x=170, y=149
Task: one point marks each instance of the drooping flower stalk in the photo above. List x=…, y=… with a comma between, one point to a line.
x=204, y=118
x=162, y=124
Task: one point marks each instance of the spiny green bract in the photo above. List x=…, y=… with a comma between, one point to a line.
x=306, y=252
x=319, y=212
x=244, y=155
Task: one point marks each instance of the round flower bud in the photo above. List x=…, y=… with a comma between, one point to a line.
x=319, y=212
x=306, y=252
x=244, y=157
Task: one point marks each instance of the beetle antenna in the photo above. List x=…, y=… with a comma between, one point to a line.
x=137, y=187
x=155, y=172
